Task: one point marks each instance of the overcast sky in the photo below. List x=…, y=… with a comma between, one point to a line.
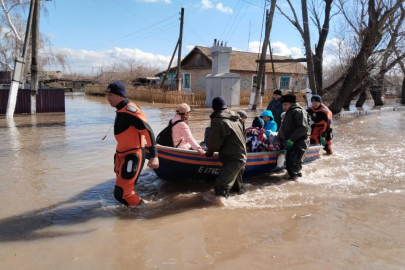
x=97, y=33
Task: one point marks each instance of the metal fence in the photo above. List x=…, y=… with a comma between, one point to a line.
x=48, y=100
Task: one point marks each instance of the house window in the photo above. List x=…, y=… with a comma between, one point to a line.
x=170, y=80
x=284, y=82
x=186, y=81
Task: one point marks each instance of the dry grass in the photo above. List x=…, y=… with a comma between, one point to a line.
x=175, y=97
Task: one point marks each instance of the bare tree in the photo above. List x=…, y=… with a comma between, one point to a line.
x=127, y=72
x=321, y=14
x=370, y=22
x=402, y=67
x=12, y=31
x=386, y=58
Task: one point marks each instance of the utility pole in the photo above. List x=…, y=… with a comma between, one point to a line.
x=168, y=68
x=178, y=79
x=19, y=67
x=308, y=51
x=262, y=66
x=34, y=58
x=273, y=78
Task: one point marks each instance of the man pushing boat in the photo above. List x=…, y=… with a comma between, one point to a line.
x=227, y=137
x=130, y=131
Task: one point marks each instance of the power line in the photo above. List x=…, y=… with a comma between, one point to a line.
x=253, y=4
x=143, y=29
x=250, y=25
x=140, y=38
x=196, y=33
x=229, y=20
x=120, y=43
x=136, y=14
x=230, y=28
x=252, y=32
x=137, y=39
x=239, y=22
x=120, y=16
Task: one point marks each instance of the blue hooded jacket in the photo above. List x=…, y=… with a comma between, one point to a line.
x=270, y=125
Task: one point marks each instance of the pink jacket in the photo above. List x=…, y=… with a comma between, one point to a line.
x=182, y=131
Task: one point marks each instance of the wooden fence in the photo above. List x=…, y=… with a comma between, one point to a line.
x=175, y=97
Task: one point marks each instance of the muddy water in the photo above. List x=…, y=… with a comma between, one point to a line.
x=57, y=210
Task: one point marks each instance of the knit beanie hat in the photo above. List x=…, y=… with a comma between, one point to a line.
x=258, y=122
x=242, y=113
x=183, y=108
x=291, y=98
x=218, y=103
x=278, y=92
x=316, y=98
x=117, y=88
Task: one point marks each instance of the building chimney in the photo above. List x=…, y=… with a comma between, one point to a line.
x=220, y=59
x=221, y=82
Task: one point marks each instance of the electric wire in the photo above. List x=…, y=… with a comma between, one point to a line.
x=154, y=25
x=223, y=32
x=139, y=16
x=230, y=28
x=195, y=33
x=140, y=38
x=239, y=22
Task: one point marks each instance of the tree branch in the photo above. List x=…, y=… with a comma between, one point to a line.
x=389, y=12
x=347, y=18
x=295, y=23
x=19, y=3
x=393, y=63
x=315, y=18
x=6, y=64
x=10, y=23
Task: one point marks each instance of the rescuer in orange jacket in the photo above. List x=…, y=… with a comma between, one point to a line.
x=322, y=127
x=130, y=131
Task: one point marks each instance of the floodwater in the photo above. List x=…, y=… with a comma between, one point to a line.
x=57, y=210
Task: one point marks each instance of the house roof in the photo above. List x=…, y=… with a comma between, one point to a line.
x=246, y=61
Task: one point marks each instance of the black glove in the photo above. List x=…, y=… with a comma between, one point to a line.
x=209, y=154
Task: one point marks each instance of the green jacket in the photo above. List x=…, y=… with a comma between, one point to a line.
x=227, y=137
x=296, y=124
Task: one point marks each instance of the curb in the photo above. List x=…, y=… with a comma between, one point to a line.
x=367, y=112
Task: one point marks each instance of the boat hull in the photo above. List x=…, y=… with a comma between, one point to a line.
x=176, y=164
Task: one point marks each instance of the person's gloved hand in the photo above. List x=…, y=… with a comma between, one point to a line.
x=207, y=154
x=289, y=144
x=322, y=140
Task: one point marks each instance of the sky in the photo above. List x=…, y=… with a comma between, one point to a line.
x=99, y=33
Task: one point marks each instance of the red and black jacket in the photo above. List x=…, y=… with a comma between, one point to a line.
x=131, y=129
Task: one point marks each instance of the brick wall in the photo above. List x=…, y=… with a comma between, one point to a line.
x=198, y=81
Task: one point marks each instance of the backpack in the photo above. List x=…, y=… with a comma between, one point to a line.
x=165, y=136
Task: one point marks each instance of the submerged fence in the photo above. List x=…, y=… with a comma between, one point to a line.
x=176, y=97
x=48, y=100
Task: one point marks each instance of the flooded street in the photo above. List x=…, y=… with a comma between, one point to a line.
x=57, y=209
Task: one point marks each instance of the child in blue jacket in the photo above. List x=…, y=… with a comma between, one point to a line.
x=269, y=124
